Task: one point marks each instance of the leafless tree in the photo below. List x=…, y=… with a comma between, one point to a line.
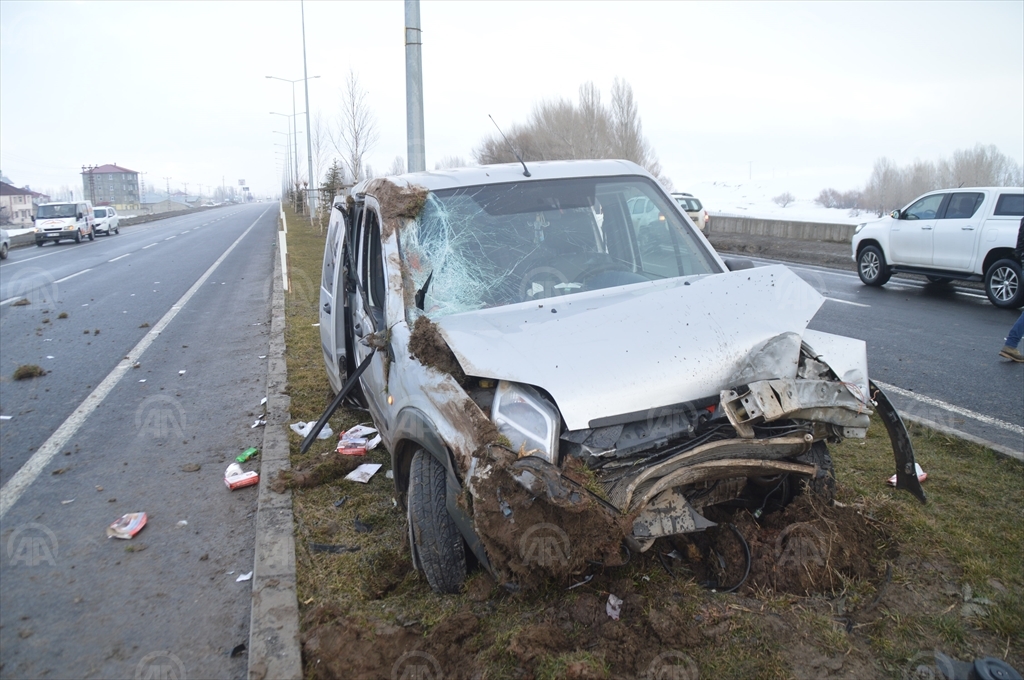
x=784, y=199
x=450, y=162
x=320, y=143
x=397, y=167
x=560, y=129
x=356, y=132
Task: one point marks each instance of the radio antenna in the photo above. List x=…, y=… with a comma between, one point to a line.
x=515, y=153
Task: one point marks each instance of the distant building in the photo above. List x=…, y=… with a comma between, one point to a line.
x=166, y=205
x=111, y=185
x=17, y=206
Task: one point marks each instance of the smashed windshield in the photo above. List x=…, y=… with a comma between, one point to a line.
x=488, y=246
x=56, y=210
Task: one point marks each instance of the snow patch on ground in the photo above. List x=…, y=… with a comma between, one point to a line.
x=754, y=199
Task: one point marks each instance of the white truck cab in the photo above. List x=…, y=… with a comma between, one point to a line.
x=65, y=220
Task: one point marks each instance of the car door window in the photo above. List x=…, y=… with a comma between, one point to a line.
x=372, y=269
x=1010, y=204
x=925, y=209
x=963, y=205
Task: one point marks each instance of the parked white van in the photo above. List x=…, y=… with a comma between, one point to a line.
x=966, y=234
x=56, y=221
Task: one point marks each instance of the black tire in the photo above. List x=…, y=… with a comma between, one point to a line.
x=92, y=234
x=941, y=280
x=1003, y=284
x=436, y=539
x=117, y=230
x=39, y=243
x=78, y=237
x=3, y=251
x=871, y=266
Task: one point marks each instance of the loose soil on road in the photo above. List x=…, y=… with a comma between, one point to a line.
x=865, y=587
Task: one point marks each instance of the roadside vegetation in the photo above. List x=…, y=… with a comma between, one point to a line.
x=887, y=581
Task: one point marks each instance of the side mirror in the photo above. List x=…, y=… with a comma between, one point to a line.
x=895, y=214
x=80, y=216
x=736, y=264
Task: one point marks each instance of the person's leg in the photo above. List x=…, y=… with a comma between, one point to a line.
x=1010, y=350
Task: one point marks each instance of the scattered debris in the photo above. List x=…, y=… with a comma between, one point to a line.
x=236, y=478
x=191, y=467
x=143, y=380
x=96, y=332
x=247, y=454
x=358, y=440
x=364, y=472
x=237, y=650
x=62, y=315
x=390, y=474
x=136, y=364
x=21, y=303
x=26, y=371
x=181, y=372
x=336, y=549
x=263, y=356
x=99, y=488
x=263, y=401
x=243, y=577
x=67, y=502
x=316, y=325
x=183, y=523
x=5, y=417
x=127, y=525
x=613, y=607
x=138, y=547
x=362, y=527
x=60, y=471
x=303, y=429
x=340, y=502
x=262, y=420
x=921, y=475
x=585, y=581
x=144, y=324
x=49, y=356
x=329, y=470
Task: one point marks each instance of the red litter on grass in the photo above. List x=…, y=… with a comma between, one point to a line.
x=358, y=440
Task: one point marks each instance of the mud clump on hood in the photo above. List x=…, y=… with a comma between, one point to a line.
x=428, y=347
x=530, y=540
x=396, y=202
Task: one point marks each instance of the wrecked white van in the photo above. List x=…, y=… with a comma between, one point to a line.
x=560, y=385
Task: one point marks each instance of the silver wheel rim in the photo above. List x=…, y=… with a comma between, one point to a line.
x=1004, y=284
x=869, y=265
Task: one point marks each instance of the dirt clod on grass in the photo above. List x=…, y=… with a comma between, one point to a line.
x=806, y=549
x=428, y=347
x=334, y=467
x=26, y=371
x=530, y=540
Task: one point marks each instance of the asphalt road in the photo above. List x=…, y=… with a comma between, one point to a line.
x=73, y=603
x=935, y=346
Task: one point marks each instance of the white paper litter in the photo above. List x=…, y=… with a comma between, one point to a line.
x=49, y=356
x=303, y=429
x=143, y=380
x=263, y=356
x=390, y=474
x=364, y=472
x=181, y=372
x=243, y=577
x=259, y=421
x=363, y=431
x=183, y=523
x=613, y=606
x=6, y=417
x=315, y=325
x=263, y=401
x=68, y=501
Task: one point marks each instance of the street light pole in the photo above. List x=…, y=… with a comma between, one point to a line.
x=314, y=182
x=288, y=141
x=296, y=141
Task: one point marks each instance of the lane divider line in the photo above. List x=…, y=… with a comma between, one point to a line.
x=19, y=483
x=119, y=257
x=72, y=276
x=149, y=246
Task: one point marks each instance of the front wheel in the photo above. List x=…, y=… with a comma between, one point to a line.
x=871, y=267
x=3, y=251
x=78, y=237
x=436, y=540
x=1003, y=284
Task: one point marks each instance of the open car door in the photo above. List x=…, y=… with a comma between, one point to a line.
x=332, y=297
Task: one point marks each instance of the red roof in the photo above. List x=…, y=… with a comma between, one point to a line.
x=108, y=168
x=11, y=190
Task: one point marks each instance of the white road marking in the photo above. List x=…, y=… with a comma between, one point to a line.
x=938, y=403
x=16, y=485
x=149, y=246
x=847, y=302
x=9, y=300
x=170, y=237
x=72, y=276
x=119, y=257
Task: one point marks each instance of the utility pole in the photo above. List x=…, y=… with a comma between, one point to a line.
x=414, y=87
x=186, y=193
x=168, y=180
x=142, y=188
x=313, y=181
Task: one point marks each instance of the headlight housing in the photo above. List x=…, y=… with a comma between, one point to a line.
x=529, y=420
x=859, y=227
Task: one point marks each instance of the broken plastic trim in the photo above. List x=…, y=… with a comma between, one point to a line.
x=311, y=437
x=903, y=450
x=817, y=400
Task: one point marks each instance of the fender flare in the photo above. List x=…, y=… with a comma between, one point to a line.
x=903, y=450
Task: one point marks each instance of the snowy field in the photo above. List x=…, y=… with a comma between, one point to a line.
x=754, y=199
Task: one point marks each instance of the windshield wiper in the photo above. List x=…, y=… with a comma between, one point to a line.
x=421, y=294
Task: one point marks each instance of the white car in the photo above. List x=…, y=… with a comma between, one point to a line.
x=966, y=234
x=509, y=345
x=106, y=220
x=5, y=243
x=693, y=207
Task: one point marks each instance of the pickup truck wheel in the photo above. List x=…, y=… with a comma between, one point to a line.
x=1003, y=284
x=871, y=267
x=436, y=539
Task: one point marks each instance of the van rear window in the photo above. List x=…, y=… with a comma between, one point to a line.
x=1010, y=204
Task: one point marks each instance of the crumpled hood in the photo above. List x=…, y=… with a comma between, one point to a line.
x=620, y=350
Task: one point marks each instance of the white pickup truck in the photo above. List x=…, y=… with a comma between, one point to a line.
x=966, y=234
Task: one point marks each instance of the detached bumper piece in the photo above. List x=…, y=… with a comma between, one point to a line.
x=815, y=400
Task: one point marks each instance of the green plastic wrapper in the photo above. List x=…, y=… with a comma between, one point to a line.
x=247, y=454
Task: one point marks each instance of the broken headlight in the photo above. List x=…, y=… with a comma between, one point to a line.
x=529, y=420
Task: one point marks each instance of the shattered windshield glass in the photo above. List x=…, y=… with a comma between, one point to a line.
x=488, y=246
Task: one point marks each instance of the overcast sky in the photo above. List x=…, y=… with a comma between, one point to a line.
x=813, y=92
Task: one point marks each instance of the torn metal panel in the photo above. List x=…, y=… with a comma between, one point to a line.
x=847, y=357
x=765, y=401
x=667, y=515
x=655, y=344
